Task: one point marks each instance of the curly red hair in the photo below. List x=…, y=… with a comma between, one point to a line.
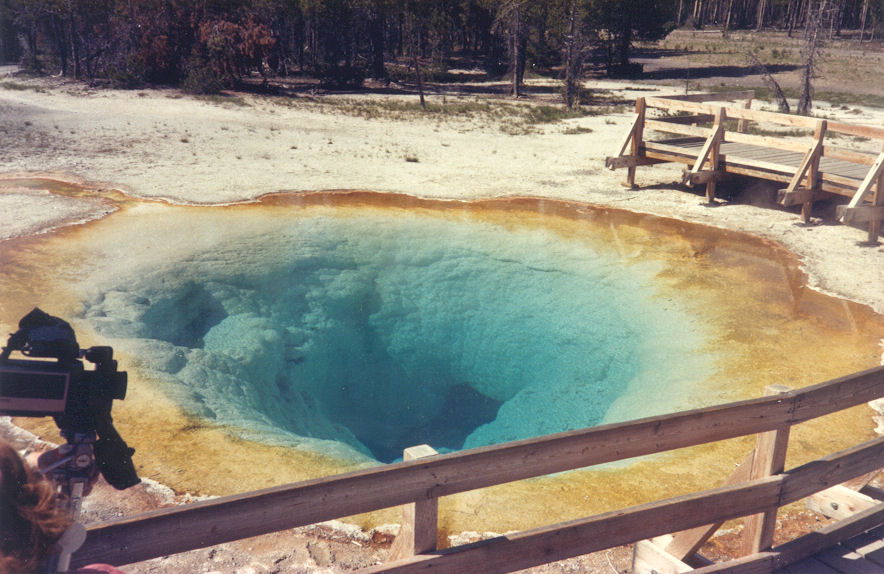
x=30, y=519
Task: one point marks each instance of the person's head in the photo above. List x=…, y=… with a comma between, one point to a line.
x=30, y=519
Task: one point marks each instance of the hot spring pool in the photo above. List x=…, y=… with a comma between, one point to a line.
x=308, y=334
x=364, y=335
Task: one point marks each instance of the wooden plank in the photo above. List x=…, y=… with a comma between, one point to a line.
x=790, y=144
x=866, y=186
x=832, y=469
x=628, y=161
x=808, y=566
x=846, y=182
x=637, y=137
x=806, y=163
x=688, y=542
x=788, y=158
x=629, y=135
x=859, y=214
x=788, y=198
x=813, y=169
x=649, y=558
x=701, y=177
x=679, y=151
x=800, y=548
x=770, y=176
x=868, y=544
x=877, y=202
x=763, y=166
x=709, y=147
x=848, y=155
x=843, y=559
x=839, y=502
x=854, y=171
x=669, y=157
x=678, y=105
x=686, y=120
x=543, y=545
x=857, y=130
x=772, y=117
x=714, y=153
x=770, y=459
x=733, y=112
x=656, y=125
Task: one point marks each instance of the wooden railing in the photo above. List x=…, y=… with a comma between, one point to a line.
x=419, y=482
x=817, y=166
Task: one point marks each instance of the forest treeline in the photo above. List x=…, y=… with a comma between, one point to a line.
x=206, y=45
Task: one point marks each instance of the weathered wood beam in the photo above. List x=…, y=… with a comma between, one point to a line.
x=666, y=127
x=870, y=180
x=857, y=130
x=691, y=178
x=637, y=137
x=848, y=214
x=849, y=155
x=733, y=112
x=788, y=198
x=877, y=201
x=418, y=532
x=770, y=459
x=686, y=120
x=802, y=547
x=712, y=151
x=629, y=161
x=799, y=145
x=539, y=546
x=649, y=556
x=840, y=502
x=688, y=542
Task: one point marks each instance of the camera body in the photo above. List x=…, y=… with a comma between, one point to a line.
x=79, y=399
x=34, y=388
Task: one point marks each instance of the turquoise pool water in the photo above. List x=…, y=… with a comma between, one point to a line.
x=359, y=336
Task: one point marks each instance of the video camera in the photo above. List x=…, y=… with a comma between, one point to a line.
x=79, y=400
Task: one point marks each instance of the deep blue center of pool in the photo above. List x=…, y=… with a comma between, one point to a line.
x=371, y=334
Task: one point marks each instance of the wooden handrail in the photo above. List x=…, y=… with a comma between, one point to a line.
x=699, y=106
x=548, y=544
x=206, y=523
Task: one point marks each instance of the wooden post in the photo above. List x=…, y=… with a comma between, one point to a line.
x=770, y=459
x=877, y=201
x=813, y=171
x=637, y=135
x=419, y=519
x=742, y=123
x=714, y=153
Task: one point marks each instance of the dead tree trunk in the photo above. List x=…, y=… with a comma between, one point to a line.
x=573, y=58
x=808, y=53
x=782, y=103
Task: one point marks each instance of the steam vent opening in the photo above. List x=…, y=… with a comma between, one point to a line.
x=362, y=335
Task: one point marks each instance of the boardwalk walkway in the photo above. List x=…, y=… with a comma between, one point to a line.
x=863, y=554
x=715, y=140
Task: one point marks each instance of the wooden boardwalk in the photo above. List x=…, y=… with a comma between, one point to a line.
x=863, y=554
x=713, y=140
x=669, y=531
